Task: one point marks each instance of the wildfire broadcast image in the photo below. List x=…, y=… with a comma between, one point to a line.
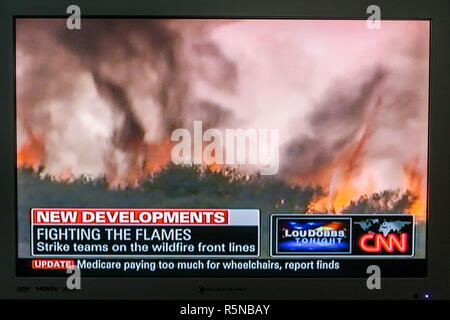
x=103, y=111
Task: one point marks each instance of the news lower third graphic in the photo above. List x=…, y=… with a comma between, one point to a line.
x=211, y=242
x=355, y=235
x=144, y=232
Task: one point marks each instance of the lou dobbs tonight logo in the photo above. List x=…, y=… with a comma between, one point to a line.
x=303, y=236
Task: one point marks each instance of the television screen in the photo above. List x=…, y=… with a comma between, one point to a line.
x=221, y=147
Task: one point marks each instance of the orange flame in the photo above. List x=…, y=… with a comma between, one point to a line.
x=337, y=179
x=157, y=156
x=146, y=160
x=66, y=175
x=31, y=153
x=413, y=177
x=339, y=197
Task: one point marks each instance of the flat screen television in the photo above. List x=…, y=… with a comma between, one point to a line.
x=209, y=154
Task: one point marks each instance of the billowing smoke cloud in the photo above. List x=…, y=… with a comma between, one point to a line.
x=124, y=98
x=342, y=114
x=351, y=103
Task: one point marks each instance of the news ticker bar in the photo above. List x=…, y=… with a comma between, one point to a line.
x=85, y=232
x=205, y=267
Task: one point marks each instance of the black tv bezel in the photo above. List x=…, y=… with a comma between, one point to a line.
x=436, y=283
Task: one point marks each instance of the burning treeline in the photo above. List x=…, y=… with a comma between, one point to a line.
x=351, y=104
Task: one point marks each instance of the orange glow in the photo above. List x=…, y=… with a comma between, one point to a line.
x=157, y=156
x=337, y=200
x=338, y=195
x=413, y=178
x=337, y=179
x=66, y=175
x=146, y=160
x=31, y=153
